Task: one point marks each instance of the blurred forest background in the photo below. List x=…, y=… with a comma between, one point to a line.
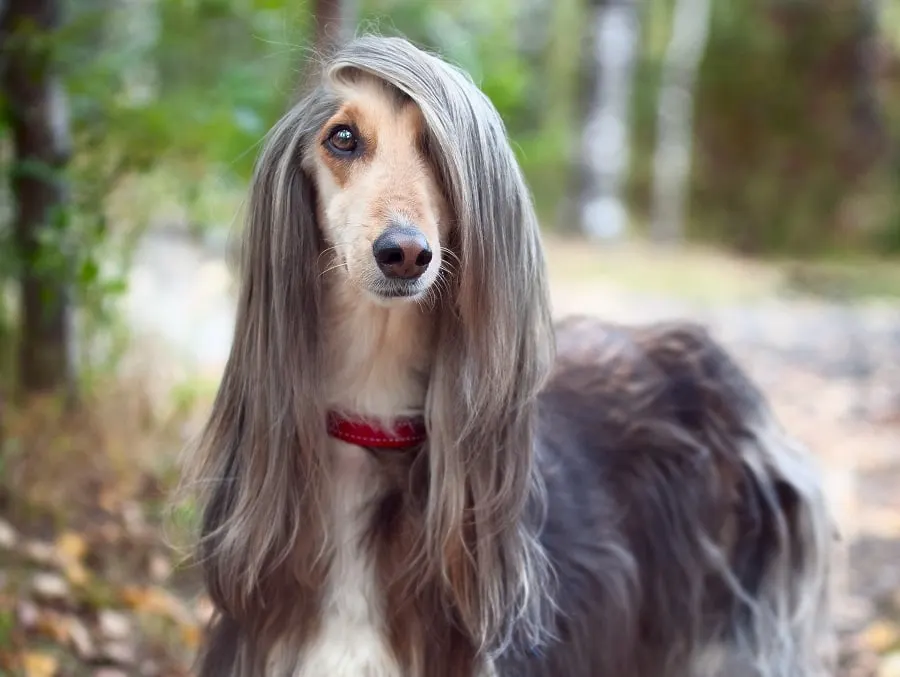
x=736, y=161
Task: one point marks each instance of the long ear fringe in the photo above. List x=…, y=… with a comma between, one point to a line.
x=267, y=424
x=492, y=358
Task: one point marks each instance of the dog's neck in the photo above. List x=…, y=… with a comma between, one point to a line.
x=378, y=357
x=377, y=360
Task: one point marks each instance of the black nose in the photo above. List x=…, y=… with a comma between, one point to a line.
x=402, y=252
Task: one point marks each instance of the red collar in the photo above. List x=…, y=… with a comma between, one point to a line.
x=406, y=432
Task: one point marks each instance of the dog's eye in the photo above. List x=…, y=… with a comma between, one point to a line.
x=343, y=140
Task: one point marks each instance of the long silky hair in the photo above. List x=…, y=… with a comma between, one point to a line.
x=261, y=457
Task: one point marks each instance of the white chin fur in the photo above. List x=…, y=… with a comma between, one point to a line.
x=419, y=291
x=393, y=301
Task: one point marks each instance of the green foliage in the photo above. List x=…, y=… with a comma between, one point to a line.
x=7, y=628
x=186, y=89
x=783, y=163
x=781, y=153
x=196, y=96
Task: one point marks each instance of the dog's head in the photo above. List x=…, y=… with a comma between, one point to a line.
x=381, y=209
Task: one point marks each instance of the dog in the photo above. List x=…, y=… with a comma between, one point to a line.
x=410, y=471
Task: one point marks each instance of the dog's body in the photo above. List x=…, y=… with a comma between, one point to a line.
x=627, y=509
x=659, y=458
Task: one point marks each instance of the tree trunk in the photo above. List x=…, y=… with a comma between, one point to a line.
x=675, y=113
x=331, y=28
x=561, y=53
x=36, y=112
x=605, y=148
x=334, y=22
x=871, y=129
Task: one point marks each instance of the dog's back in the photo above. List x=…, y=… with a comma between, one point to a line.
x=687, y=535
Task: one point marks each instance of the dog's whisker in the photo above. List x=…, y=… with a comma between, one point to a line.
x=336, y=266
x=449, y=266
x=328, y=250
x=333, y=249
x=440, y=286
x=450, y=254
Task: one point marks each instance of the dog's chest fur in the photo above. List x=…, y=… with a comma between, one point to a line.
x=351, y=641
x=375, y=364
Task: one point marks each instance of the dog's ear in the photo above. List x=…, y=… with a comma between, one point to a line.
x=266, y=427
x=493, y=352
x=280, y=292
x=503, y=290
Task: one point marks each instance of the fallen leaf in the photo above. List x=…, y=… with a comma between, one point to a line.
x=40, y=553
x=108, y=500
x=76, y=573
x=70, y=549
x=8, y=536
x=880, y=636
x=114, y=625
x=54, y=626
x=81, y=640
x=71, y=546
x=50, y=587
x=191, y=636
x=28, y=614
x=158, y=602
x=120, y=653
x=39, y=665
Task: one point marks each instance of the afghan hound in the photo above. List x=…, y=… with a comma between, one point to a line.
x=410, y=472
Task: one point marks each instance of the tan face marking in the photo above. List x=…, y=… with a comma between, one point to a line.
x=353, y=117
x=385, y=181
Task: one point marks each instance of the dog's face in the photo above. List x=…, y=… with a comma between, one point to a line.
x=380, y=206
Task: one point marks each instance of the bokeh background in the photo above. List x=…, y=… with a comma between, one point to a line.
x=732, y=161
